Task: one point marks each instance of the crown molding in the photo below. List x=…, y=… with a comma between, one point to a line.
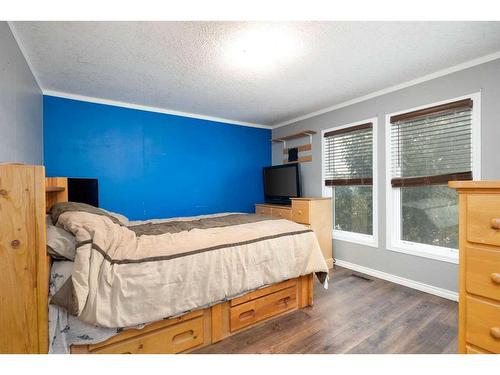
x=439, y=73
x=139, y=107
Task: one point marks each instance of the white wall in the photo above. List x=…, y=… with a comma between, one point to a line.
x=21, y=110
x=484, y=78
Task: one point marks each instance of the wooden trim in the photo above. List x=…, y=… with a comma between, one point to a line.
x=332, y=133
x=217, y=324
x=303, y=133
x=349, y=181
x=462, y=238
x=43, y=264
x=486, y=184
x=305, y=288
x=465, y=103
x=302, y=159
x=301, y=148
x=430, y=180
x=262, y=292
x=54, y=189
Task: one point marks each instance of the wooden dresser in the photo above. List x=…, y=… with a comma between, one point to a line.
x=479, y=306
x=316, y=213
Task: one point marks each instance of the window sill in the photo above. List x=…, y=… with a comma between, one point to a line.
x=358, y=238
x=443, y=254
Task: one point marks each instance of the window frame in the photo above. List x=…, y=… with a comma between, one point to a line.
x=393, y=195
x=328, y=191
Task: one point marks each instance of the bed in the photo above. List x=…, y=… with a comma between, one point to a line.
x=166, y=286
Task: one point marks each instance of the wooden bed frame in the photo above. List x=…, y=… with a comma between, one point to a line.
x=25, y=197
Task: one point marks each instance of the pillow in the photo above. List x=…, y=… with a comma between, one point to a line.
x=60, y=243
x=62, y=207
x=122, y=218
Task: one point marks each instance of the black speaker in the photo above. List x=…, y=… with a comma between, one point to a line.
x=293, y=154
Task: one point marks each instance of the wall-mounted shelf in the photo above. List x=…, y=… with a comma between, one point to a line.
x=54, y=189
x=300, y=148
x=301, y=159
x=303, y=133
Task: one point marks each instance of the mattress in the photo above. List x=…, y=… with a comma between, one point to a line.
x=135, y=274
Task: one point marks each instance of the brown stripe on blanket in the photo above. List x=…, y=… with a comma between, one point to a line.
x=205, y=223
x=187, y=253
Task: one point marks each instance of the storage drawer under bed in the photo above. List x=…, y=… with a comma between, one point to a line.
x=262, y=308
x=174, y=339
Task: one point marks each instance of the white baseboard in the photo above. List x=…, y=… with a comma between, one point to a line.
x=445, y=293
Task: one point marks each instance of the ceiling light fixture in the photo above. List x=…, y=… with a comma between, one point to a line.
x=262, y=47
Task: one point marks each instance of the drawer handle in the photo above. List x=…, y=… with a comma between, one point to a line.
x=284, y=301
x=183, y=336
x=300, y=212
x=247, y=315
x=495, y=332
x=495, y=223
x=495, y=277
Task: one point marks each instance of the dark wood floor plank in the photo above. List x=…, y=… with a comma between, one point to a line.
x=436, y=335
x=355, y=316
x=378, y=313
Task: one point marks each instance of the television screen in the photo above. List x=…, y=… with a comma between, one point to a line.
x=84, y=190
x=281, y=183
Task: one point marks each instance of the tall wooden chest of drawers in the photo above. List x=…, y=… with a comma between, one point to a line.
x=479, y=305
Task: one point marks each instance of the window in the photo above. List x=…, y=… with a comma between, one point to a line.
x=348, y=176
x=427, y=148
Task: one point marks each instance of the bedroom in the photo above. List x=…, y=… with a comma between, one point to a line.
x=249, y=187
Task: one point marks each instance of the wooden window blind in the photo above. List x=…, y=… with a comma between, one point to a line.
x=348, y=156
x=432, y=146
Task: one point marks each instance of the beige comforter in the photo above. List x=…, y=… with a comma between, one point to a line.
x=129, y=275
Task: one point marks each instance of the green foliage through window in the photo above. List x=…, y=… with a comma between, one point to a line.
x=353, y=209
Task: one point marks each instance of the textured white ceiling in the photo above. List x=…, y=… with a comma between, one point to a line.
x=185, y=66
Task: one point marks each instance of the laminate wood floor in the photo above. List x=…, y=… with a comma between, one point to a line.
x=355, y=315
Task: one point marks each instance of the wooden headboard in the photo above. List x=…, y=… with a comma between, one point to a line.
x=25, y=196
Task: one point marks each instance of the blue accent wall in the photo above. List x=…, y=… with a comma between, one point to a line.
x=152, y=165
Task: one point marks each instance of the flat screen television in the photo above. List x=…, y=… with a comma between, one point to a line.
x=281, y=182
x=84, y=190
